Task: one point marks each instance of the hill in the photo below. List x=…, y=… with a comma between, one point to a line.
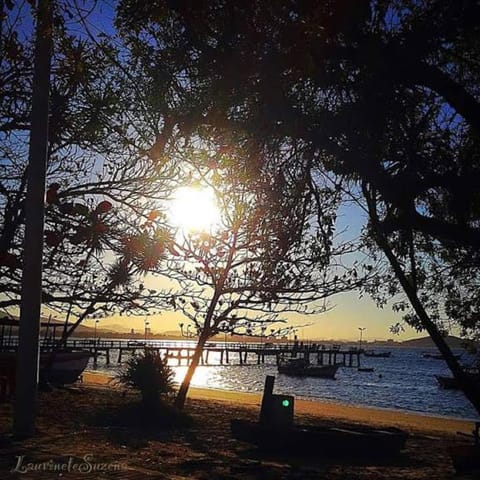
x=453, y=342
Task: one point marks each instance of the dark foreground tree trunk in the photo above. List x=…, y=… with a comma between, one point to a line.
x=182, y=392
x=28, y=354
x=469, y=388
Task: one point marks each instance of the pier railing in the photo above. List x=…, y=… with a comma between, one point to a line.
x=183, y=350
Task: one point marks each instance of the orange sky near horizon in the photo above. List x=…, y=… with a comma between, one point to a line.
x=340, y=323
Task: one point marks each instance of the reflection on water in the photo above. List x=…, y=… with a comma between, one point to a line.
x=405, y=381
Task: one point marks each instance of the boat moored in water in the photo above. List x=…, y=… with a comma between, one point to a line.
x=439, y=356
x=372, y=353
x=450, y=383
x=299, y=367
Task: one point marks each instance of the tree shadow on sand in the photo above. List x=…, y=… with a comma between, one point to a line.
x=131, y=425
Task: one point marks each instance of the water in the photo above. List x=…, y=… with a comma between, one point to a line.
x=405, y=381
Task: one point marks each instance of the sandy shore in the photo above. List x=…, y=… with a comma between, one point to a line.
x=102, y=422
x=323, y=409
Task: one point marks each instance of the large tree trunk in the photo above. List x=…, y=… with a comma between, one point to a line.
x=28, y=354
x=182, y=392
x=470, y=389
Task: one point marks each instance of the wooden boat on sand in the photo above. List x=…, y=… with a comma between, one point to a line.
x=56, y=368
x=351, y=441
x=58, y=365
x=466, y=458
x=276, y=431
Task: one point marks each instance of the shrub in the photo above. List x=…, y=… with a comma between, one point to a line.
x=149, y=373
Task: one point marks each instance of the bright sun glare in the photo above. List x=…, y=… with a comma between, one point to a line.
x=194, y=209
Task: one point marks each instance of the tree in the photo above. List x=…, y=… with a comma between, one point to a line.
x=103, y=182
x=149, y=373
x=382, y=95
x=265, y=257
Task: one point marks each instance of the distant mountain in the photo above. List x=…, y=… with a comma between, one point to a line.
x=172, y=333
x=114, y=327
x=426, y=342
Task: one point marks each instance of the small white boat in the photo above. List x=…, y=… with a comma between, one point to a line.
x=60, y=366
x=57, y=368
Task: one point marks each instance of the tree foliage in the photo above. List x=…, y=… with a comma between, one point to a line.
x=382, y=92
x=382, y=95
x=149, y=373
x=271, y=253
x=103, y=182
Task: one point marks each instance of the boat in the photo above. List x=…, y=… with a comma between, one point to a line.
x=372, y=353
x=466, y=458
x=56, y=368
x=365, y=369
x=277, y=431
x=58, y=365
x=448, y=383
x=439, y=356
x=299, y=367
x=451, y=383
x=351, y=441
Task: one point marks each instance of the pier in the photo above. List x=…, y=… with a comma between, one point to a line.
x=181, y=353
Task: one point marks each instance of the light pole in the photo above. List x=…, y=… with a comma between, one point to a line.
x=361, y=336
x=146, y=329
x=95, y=331
x=225, y=329
x=262, y=329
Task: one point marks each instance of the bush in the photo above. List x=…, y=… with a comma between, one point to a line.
x=149, y=373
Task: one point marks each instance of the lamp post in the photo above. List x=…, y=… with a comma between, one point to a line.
x=95, y=331
x=225, y=330
x=361, y=336
x=262, y=329
x=146, y=329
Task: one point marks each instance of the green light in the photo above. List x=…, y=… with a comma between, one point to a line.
x=285, y=403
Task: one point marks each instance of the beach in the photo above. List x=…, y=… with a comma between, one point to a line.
x=323, y=409
x=92, y=424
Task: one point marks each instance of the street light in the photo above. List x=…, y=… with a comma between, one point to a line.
x=262, y=329
x=361, y=336
x=225, y=330
x=146, y=329
x=95, y=331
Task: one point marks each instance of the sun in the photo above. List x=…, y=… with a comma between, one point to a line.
x=194, y=209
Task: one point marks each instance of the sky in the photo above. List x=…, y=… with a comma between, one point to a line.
x=346, y=313
x=340, y=323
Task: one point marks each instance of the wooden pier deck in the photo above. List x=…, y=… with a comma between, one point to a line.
x=217, y=353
